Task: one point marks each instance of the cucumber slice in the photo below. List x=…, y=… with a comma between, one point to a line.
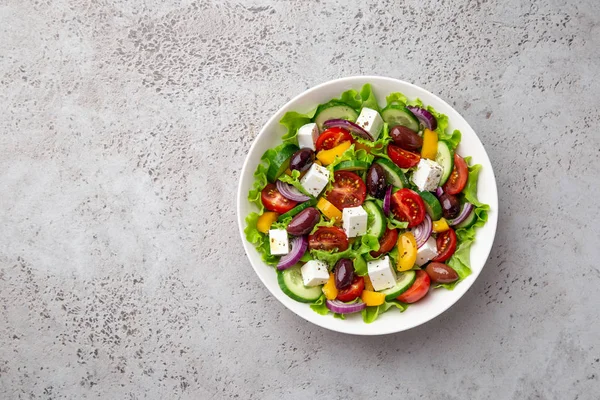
x=297, y=209
x=334, y=110
x=393, y=173
x=281, y=162
x=376, y=218
x=395, y=114
x=469, y=222
x=403, y=283
x=445, y=157
x=290, y=282
x=432, y=205
x=352, y=165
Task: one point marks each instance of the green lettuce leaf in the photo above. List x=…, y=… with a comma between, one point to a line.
x=394, y=255
x=368, y=98
x=322, y=222
x=306, y=257
x=461, y=259
x=396, y=98
x=293, y=121
x=260, y=181
x=378, y=147
x=281, y=224
x=260, y=176
x=371, y=313
x=319, y=306
x=252, y=233
x=294, y=180
x=393, y=223
x=453, y=139
x=360, y=266
x=259, y=239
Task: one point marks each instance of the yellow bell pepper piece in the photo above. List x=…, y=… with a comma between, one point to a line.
x=265, y=221
x=407, y=251
x=329, y=288
x=440, y=226
x=430, y=144
x=368, y=283
x=328, y=156
x=371, y=298
x=318, y=162
x=329, y=210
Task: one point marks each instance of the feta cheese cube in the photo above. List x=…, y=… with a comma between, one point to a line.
x=315, y=179
x=354, y=220
x=280, y=245
x=314, y=273
x=427, y=175
x=370, y=121
x=307, y=136
x=381, y=273
x=427, y=252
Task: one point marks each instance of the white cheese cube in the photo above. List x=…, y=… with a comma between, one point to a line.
x=370, y=121
x=315, y=179
x=307, y=136
x=381, y=273
x=314, y=273
x=354, y=220
x=427, y=175
x=427, y=252
x=280, y=245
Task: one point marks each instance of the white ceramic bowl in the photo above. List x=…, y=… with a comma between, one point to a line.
x=437, y=301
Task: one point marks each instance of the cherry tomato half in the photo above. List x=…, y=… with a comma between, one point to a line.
x=408, y=206
x=401, y=157
x=353, y=291
x=348, y=190
x=446, y=245
x=386, y=243
x=274, y=201
x=418, y=290
x=333, y=137
x=458, y=178
x=328, y=238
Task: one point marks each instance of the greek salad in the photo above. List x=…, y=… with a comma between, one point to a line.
x=364, y=209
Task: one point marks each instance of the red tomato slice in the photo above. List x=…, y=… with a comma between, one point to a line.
x=386, y=243
x=353, y=291
x=458, y=178
x=446, y=245
x=418, y=290
x=328, y=238
x=348, y=190
x=274, y=201
x=333, y=137
x=408, y=206
x=401, y=157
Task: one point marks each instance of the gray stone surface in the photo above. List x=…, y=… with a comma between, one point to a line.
x=122, y=128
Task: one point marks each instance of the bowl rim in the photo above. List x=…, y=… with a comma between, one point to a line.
x=322, y=322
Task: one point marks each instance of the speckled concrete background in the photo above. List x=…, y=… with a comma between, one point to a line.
x=122, y=128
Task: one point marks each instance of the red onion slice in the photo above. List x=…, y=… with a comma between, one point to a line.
x=339, y=307
x=467, y=209
x=290, y=192
x=423, y=231
x=299, y=246
x=426, y=118
x=387, y=201
x=351, y=126
x=439, y=191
